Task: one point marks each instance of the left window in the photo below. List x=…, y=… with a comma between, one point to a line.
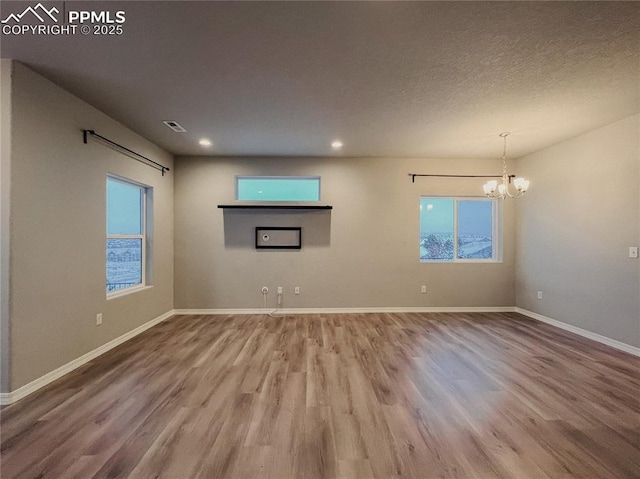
x=127, y=227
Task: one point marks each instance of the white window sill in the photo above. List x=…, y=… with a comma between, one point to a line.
x=461, y=261
x=127, y=291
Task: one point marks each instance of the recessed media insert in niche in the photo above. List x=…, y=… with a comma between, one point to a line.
x=278, y=237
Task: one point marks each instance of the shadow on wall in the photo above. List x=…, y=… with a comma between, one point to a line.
x=239, y=227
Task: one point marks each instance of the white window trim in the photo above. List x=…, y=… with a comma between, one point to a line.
x=126, y=291
x=143, y=237
x=496, y=231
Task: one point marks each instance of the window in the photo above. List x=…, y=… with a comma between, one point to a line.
x=278, y=188
x=459, y=229
x=126, y=235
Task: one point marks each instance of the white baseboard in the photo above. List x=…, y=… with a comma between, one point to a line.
x=462, y=309
x=627, y=348
x=13, y=396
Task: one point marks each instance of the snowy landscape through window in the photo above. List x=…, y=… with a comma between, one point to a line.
x=458, y=229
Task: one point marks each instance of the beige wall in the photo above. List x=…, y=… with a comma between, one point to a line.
x=5, y=184
x=364, y=253
x=575, y=227
x=58, y=229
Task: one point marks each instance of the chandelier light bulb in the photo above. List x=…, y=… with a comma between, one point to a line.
x=490, y=187
x=521, y=184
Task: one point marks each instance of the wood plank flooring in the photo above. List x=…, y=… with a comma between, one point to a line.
x=336, y=396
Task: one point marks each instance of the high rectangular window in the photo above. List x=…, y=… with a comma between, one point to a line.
x=126, y=235
x=459, y=229
x=278, y=188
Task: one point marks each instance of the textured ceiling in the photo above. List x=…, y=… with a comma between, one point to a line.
x=393, y=79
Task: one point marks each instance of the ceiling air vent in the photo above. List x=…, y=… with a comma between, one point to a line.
x=174, y=126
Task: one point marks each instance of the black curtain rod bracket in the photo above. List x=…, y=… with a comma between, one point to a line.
x=135, y=156
x=413, y=176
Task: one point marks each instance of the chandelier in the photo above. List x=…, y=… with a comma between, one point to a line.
x=494, y=190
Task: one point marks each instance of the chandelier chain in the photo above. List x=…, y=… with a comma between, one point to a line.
x=504, y=152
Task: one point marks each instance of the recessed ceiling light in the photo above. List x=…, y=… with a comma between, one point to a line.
x=336, y=145
x=205, y=142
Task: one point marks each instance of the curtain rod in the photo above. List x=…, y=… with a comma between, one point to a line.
x=413, y=176
x=137, y=156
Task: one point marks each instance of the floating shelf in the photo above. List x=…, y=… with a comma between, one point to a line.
x=276, y=207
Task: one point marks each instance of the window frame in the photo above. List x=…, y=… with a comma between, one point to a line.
x=238, y=178
x=496, y=230
x=143, y=236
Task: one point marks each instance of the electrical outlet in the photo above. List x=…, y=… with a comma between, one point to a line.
x=264, y=290
x=423, y=289
x=539, y=294
x=296, y=290
x=279, y=289
x=98, y=319
x=633, y=251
